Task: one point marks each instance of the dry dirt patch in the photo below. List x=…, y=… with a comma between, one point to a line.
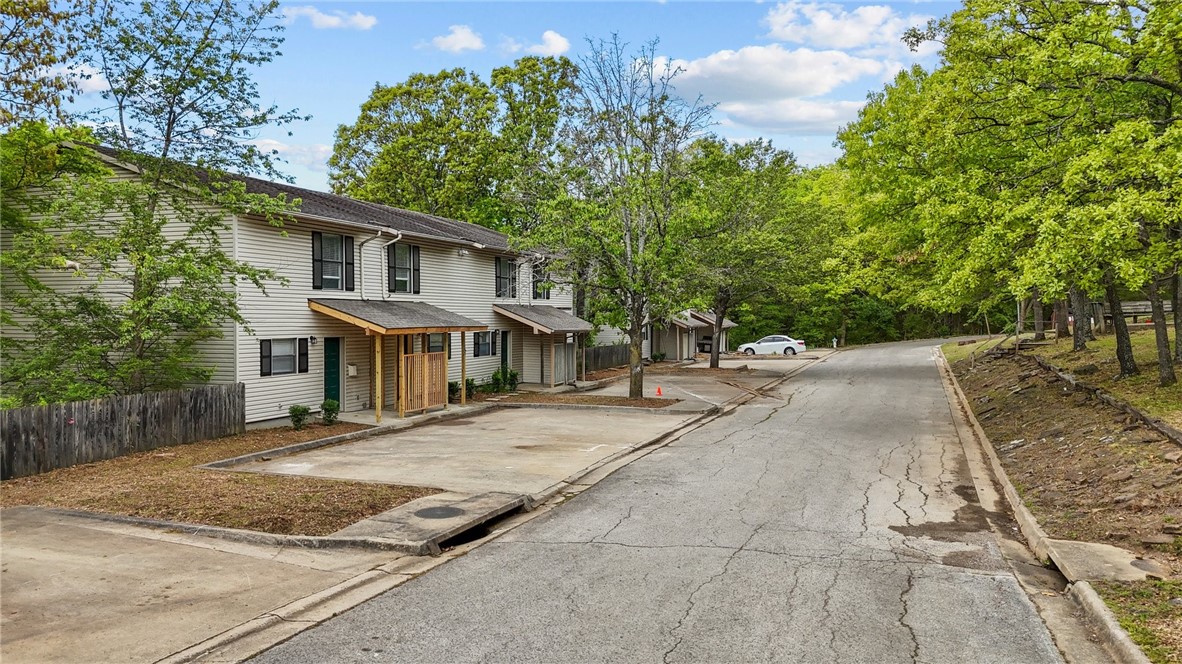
x=165, y=484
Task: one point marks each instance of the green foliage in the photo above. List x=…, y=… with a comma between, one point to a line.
x=1038, y=155
x=39, y=41
x=453, y=145
x=299, y=415
x=329, y=410
x=657, y=357
x=470, y=386
x=111, y=284
x=503, y=380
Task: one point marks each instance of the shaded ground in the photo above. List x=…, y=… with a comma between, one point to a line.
x=165, y=484
x=1087, y=471
x=1141, y=390
x=582, y=399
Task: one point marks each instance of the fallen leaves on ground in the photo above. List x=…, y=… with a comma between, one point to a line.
x=166, y=484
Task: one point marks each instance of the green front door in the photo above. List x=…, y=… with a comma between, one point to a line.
x=332, y=368
x=505, y=350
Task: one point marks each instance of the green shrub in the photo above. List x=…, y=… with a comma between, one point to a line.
x=470, y=386
x=504, y=380
x=329, y=409
x=657, y=357
x=453, y=391
x=299, y=416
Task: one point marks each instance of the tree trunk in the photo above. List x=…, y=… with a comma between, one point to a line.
x=715, y=348
x=844, y=320
x=1080, y=315
x=635, y=360
x=1124, y=345
x=1060, y=314
x=1165, y=364
x=1020, y=326
x=1040, y=333
x=1177, y=314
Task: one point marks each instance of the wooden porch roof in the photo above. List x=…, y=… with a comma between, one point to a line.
x=388, y=317
x=543, y=318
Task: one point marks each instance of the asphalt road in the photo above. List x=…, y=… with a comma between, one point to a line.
x=836, y=523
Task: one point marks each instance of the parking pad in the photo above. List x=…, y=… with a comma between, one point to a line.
x=512, y=450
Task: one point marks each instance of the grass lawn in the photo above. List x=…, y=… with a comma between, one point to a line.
x=1140, y=391
x=956, y=353
x=165, y=484
x=1145, y=612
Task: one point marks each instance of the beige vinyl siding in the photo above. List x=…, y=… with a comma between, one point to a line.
x=218, y=353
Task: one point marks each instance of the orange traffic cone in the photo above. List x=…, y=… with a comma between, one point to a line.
x=659, y=391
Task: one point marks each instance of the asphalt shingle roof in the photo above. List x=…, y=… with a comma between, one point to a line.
x=395, y=316
x=544, y=316
x=343, y=208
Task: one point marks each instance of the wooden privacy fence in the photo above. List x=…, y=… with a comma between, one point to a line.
x=606, y=357
x=38, y=439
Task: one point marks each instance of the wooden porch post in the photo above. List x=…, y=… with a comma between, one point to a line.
x=463, y=368
x=446, y=352
x=378, y=369
x=584, y=358
x=424, y=389
x=401, y=378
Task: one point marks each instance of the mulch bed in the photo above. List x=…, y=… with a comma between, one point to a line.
x=165, y=484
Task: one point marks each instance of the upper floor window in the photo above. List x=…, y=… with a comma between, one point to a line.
x=332, y=261
x=283, y=356
x=506, y=277
x=403, y=272
x=541, y=288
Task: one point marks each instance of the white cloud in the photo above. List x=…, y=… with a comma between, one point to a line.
x=511, y=45
x=87, y=78
x=866, y=29
x=770, y=73
x=552, y=44
x=793, y=116
x=460, y=38
x=322, y=21
x=314, y=157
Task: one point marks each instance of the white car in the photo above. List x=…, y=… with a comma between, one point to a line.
x=776, y=344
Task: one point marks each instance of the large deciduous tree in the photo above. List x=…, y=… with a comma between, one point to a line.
x=616, y=230
x=454, y=145
x=148, y=278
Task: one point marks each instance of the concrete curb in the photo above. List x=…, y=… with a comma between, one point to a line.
x=256, y=537
x=1114, y=639
x=631, y=410
x=379, y=430
x=1164, y=429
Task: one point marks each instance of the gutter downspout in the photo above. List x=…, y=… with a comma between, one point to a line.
x=361, y=257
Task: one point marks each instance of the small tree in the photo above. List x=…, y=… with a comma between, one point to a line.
x=152, y=278
x=617, y=232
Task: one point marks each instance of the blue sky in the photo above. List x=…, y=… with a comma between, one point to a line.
x=792, y=72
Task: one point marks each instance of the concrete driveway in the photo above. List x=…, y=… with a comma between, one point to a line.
x=513, y=450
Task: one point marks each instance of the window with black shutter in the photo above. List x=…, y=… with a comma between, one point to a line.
x=404, y=274
x=332, y=262
x=506, y=277
x=278, y=357
x=484, y=344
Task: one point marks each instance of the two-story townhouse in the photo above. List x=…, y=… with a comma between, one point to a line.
x=382, y=308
